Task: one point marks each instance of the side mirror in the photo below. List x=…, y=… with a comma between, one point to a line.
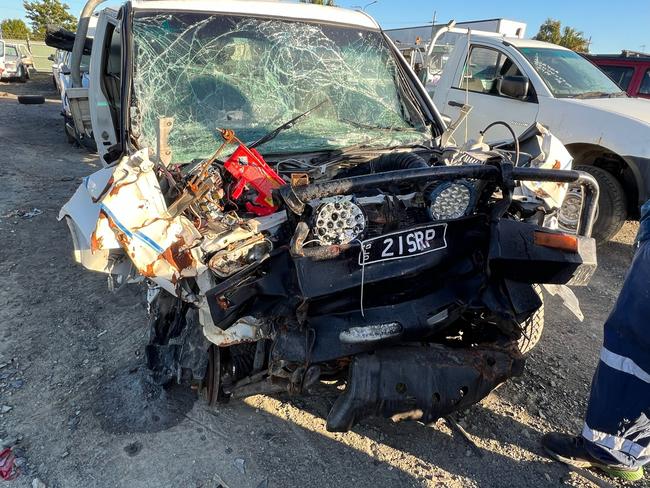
x=51, y=57
x=513, y=86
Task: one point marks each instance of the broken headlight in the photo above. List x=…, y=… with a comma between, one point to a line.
x=338, y=220
x=451, y=200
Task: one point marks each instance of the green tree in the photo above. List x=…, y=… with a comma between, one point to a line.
x=551, y=31
x=43, y=12
x=14, y=29
x=320, y=2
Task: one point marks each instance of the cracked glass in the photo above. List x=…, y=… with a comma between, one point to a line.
x=211, y=71
x=568, y=74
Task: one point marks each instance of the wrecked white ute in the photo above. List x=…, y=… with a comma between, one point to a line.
x=280, y=185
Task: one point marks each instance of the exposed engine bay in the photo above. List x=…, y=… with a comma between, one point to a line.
x=405, y=268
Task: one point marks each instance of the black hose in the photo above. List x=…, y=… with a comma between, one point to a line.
x=514, y=136
x=386, y=162
x=295, y=197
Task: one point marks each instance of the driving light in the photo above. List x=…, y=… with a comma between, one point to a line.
x=451, y=200
x=338, y=221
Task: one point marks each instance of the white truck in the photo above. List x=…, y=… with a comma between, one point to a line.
x=523, y=82
x=277, y=177
x=15, y=62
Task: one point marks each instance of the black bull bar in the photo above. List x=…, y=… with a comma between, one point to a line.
x=503, y=175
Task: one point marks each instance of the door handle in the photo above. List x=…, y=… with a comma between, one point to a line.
x=451, y=103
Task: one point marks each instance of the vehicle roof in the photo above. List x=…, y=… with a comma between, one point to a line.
x=265, y=8
x=620, y=58
x=515, y=41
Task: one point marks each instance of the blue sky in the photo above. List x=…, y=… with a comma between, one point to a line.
x=612, y=25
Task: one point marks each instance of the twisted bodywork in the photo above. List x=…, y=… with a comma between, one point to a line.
x=280, y=188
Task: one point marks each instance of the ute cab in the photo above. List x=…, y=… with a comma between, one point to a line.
x=523, y=82
x=630, y=70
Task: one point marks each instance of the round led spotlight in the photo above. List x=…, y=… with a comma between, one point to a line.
x=451, y=200
x=338, y=221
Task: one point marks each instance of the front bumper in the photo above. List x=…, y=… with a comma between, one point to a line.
x=486, y=267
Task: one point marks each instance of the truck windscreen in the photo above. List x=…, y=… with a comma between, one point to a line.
x=211, y=71
x=569, y=75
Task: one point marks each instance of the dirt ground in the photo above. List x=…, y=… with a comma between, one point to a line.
x=80, y=416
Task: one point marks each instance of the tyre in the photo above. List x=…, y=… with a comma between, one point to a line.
x=612, y=206
x=69, y=129
x=531, y=329
x=22, y=75
x=31, y=99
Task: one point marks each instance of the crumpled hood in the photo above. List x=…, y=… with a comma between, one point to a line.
x=635, y=108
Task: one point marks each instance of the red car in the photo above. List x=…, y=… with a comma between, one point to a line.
x=630, y=70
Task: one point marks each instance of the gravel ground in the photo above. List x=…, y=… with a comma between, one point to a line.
x=70, y=356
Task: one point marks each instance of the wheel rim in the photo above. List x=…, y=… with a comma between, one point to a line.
x=568, y=216
x=569, y=213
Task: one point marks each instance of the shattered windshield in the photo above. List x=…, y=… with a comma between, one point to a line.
x=212, y=71
x=567, y=74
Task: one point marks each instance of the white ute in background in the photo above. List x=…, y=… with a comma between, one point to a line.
x=523, y=82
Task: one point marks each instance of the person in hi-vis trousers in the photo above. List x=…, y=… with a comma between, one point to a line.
x=615, y=437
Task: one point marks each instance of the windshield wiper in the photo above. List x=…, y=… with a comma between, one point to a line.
x=378, y=127
x=287, y=125
x=598, y=94
x=361, y=148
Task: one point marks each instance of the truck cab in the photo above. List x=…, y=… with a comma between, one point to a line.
x=630, y=70
x=523, y=82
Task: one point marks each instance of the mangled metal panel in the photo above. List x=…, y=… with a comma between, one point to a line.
x=549, y=153
x=123, y=207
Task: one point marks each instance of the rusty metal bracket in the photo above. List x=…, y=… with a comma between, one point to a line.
x=163, y=151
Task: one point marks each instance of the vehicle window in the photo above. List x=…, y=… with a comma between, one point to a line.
x=11, y=51
x=85, y=63
x=620, y=74
x=567, y=74
x=485, y=66
x=112, y=71
x=252, y=74
x=644, y=89
x=440, y=54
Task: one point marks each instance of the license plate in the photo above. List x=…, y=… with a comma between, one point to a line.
x=404, y=244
